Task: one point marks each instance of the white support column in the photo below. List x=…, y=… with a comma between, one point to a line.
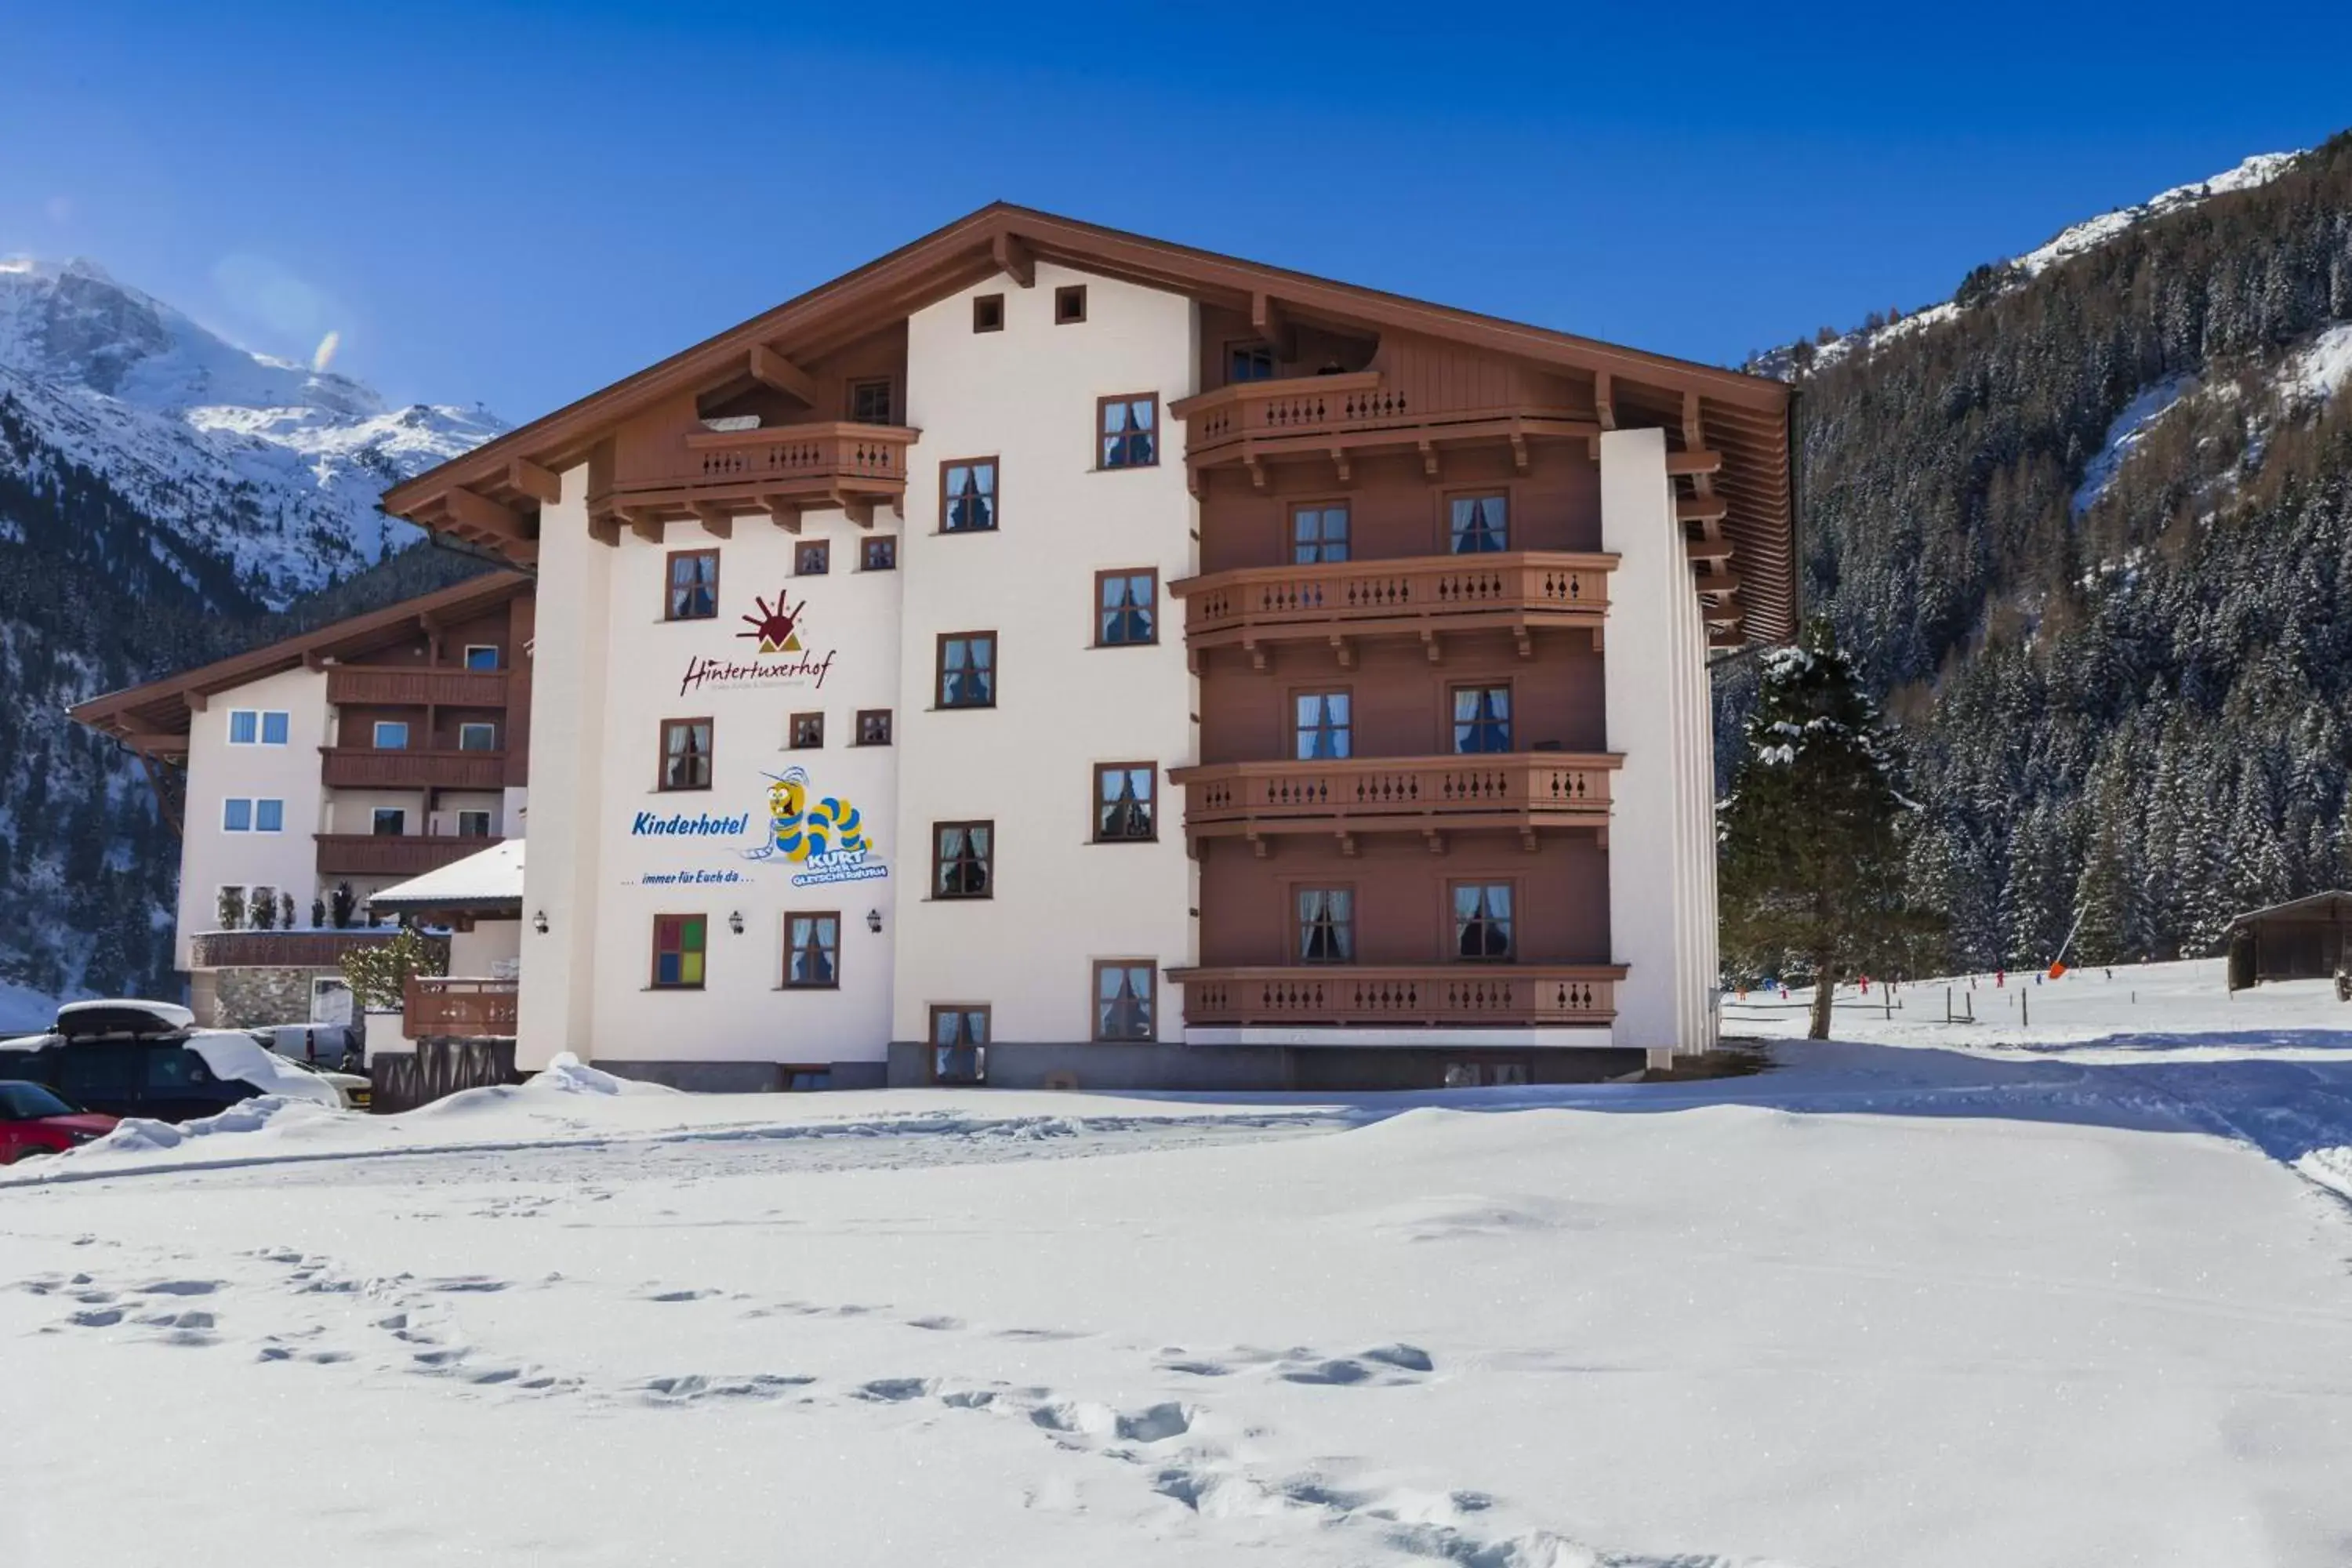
x=1662, y=910
x=555, y=1009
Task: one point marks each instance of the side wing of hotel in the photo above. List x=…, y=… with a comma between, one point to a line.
x=1051, y=656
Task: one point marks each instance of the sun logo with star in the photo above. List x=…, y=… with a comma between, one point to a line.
x=776, y=628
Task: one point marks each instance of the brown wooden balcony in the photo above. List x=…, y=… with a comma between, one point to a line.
x=783, y=469
x=393, y=854
x=1431, y=795
x=1432, y=994
x=1334, y=417
x=1516, y=591
x=281, y=949
x=437, y=1008
x=414, y=688
x=362, y=767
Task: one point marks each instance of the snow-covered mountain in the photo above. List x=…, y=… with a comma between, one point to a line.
x=267, y=467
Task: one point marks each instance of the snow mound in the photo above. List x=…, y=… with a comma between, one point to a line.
x=568, y=1074
x=138, y=1135
x=239, y=1058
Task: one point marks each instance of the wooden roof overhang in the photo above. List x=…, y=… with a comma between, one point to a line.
x=1729, y=431
x=153, y=720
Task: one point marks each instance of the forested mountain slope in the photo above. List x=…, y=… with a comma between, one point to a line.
x=2090, y=526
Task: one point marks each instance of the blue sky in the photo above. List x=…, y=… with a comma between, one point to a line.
x=517, y=204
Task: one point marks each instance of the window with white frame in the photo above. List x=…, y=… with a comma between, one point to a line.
x=477, y=737
x=258, y=726
x=391, y=735
x=245, y=814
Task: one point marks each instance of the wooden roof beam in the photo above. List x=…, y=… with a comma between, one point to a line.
x=480, y=517
x=1272, y=322
x=1014, y=258
x=527, y=478
x=1604, y=400
x=771, y=369
x=1700, y=508
x=1684, y=464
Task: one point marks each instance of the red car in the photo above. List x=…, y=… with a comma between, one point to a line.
x=38, y=1120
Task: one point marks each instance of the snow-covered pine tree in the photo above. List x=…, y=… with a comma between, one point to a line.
x=1812, y=859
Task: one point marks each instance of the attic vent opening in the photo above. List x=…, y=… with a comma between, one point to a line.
x=1069, y=304
x=988, y=312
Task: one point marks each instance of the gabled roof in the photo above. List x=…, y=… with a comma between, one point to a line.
x=491, y=495
x=487, y=882
x=154, y=719
x=2336, y=905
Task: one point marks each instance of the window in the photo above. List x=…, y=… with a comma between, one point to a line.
x=812, y=951
x=1483, y=1072
x=879, y=553
x=1123, y=803
x=678, y=952
x=255, y=727
x=808, y=732
x=812, y=558
x=1249, y=361
x=1318, y=533
x=988, y=312
x=1482, y=718
x=1123, y=1000
x=961, y=867
x=1482, y=920
x=1326, y=732
x=391, y=736
x=968, y=495
x=874, y=726
x=269, y=816
x=693, y=586
x=481, y=656
x=473, y=824
x=869, y=401
x=1480, y=523
x=236, y=815
x=388, y=822
x=967, y=669
x=685, y=754
x=480, y=736
x=1327, y=925
x=1129, y=428
x=1069, y=304
x=1127, y=608
x=273, y=729
x=959, y=1044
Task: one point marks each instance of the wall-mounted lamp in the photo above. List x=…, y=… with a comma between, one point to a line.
x=873, y=921
x=539, y=922
x=735, y=922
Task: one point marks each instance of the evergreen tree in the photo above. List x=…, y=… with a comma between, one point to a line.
x=1812, y=859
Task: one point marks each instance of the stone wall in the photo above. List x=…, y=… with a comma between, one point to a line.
x=246, y=998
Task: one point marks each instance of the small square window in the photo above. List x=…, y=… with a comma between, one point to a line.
x=477, y=737
x=988, y=312
x=869, y=401
x=1482, y=718
x=808, y=732
x=693, y=586
x=269, y=816
x=874, y=726
x=274, y=729
x=962, y=862
x=1318, y=533
x=959, y=1044
x=1069, y=304
x=678, y=952
x=1481, y=921
x=1128, y=425
x=1324, y=726
x=1249, y=361
x=236, y=815
x=685, y=754
x=1124, y=994
x=812, y=558
x=387, y=822
x=391, y=736
x=473, y=824
x=244, y=727
x=1126, y=606
x=967, y=670
x=879, y=553
x=1123, y=813
x=968, y=495
x=812, y=951
x=1476, y=524
x=481, y=656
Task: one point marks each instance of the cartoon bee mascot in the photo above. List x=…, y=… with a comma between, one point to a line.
x=797, y=830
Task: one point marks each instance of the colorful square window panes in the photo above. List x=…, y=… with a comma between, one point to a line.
x=678, y=952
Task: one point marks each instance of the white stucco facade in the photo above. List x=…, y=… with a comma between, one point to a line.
x=219, y=770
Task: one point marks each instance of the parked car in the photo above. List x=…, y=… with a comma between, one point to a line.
x=124, y=1058
x=37, y=1119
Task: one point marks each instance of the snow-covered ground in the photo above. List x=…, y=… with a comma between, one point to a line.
x=1986, y=1294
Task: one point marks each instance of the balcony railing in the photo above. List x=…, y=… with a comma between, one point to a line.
x=1328, y=417
x=281, y=949
x=1516, y=589
x=1521, y=789
x=393, y=854
x=394, y=687
x=778, y=467
x=362, y=767
x=434, y=1008
x=1436, y=994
